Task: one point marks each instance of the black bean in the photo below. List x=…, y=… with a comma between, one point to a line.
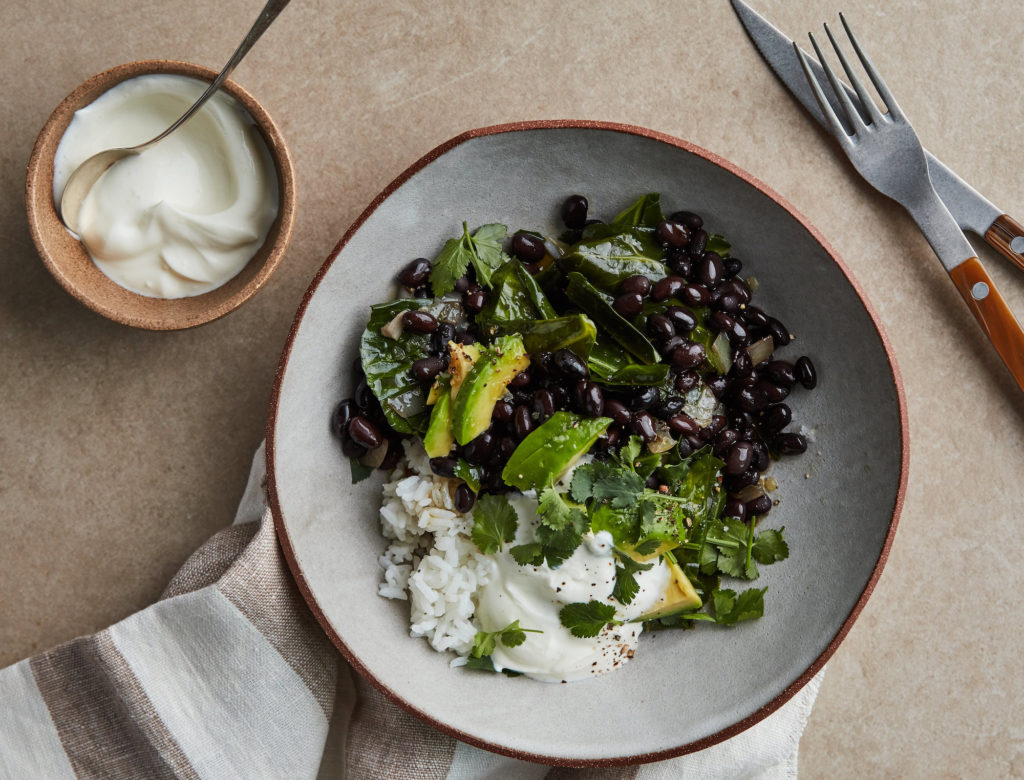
x=741, y=363
x=350, y=449
x=740, y=419
x=739, y=458
x=667, y=348
x=780, y=334
x=528, y=248
x=684, y=448
x=698, y=243
x=462, y=284
x=479, y=449
x=681, y=266
x=686, y=381
x=462, y=337
x=569, y=363
x=683, y=319
x=363, y=396
x=425, y=369
x=668, y=287
x=629, y=304
x=718, y=385
x=503, y=411
x=439, y=339
x=612, y=436
x=683, y=424
x=545, y=364
x=393, y=454
x=562, y=397
x=776, y=418
x=695, y=295
x=755, y=317
x=506, y=446
x=734, y=507
x=728, y=303
x=709, y=269
x=343, y=412
x=443, y=467
x=724, y=441
x=773, y=392
x=688, y=218
x=762, y=458
x=638, y=283
x=543, y=404
x=784, y=443
x=464, y=498
x=731, y=267
x=720, y=321
x=365, y=433
x=474, y=300
x=642, y=397
x=759, y=506
x=695, y=441
x=420, y=321
x=618, y=411
x=806, y=372
x=415, y=273
x=750, y=399
x=522, y=421
x=738, y=334
x=740, y=481
x=667, y=407
x=715, y=425
x=672, y=234
x=574, y=212
x=520, y=380
x=660, y=326
x=689, y=355
x=643, y=426
x=781, y=373
x=593, y=401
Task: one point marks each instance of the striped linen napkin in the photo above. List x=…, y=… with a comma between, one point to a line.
x=229, y=676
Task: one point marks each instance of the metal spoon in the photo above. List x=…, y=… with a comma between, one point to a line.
x=86, y=174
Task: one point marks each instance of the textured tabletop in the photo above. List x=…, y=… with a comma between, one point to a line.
x=121, y=450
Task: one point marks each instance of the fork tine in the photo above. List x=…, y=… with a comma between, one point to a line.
x=852, y=115
x=826, y=108
x=866, y=100
x=890, y=102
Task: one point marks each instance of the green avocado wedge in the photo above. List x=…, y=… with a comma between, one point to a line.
x=438, y=439
x=484, y=385
x=551, y=449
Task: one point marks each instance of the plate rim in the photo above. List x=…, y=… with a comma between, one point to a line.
x=287, y=547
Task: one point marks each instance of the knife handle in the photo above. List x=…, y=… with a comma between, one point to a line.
x=992, y=313
x=1001, y=235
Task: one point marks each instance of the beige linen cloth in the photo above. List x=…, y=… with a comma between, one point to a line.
x=229, y=676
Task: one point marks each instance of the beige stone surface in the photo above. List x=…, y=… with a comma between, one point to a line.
x=121, y=451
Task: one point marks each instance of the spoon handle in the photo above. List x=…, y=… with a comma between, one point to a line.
x=269, y=13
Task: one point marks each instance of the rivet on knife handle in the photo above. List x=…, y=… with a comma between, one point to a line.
x=1006, y=236
x=992, y=313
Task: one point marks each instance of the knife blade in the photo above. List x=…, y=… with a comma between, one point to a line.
x=971, y=210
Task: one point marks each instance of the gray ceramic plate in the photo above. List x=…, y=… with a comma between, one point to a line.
x=684, y=690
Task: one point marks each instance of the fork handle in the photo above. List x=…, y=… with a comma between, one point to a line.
x=1000, y=236
x=992, y=313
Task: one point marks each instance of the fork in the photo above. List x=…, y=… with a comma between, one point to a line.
x=885, y=150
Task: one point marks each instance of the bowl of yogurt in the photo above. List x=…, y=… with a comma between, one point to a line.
x=184, y=232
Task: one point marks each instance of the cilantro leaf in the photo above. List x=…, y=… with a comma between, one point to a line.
x=511, y=635
x=555, y=512
x=451, y=263
x=630, y=451
x=730, y=608
x=605, y=482
x=494, y=523
x=734, y=557
x=626, y=586
x=528, y=554
x=646, y=547
x=487, y=254
x=558, y=545
x=359, y=471
x=587, y=619
x=482, y=664
x=484, y=643
x=770, y=546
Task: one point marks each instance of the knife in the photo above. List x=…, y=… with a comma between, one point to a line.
x=971, y=210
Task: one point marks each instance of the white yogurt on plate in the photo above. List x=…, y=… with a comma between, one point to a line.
x=533, y=595
x=185, y=216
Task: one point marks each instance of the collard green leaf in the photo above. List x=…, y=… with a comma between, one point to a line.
x=388, y=363
x=508, y=300
x=469, y=474
x=574, y=331
x=605, y=262
x=599, y=308
x=645, y=212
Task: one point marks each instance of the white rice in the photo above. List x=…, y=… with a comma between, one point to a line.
x=431, y=560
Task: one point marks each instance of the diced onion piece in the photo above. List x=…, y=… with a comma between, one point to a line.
x=555, y=248
x=664, y=441
x=750, y=492
x=393, y=330
x=770, y=484
x=752, y=283
x=761, y=350
x=723, y=352
x=375, y=456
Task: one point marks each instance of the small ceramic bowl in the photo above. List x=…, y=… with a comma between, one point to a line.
x=71, y=265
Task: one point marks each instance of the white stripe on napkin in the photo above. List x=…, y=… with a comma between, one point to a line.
x=29, y=745
x=228, y=697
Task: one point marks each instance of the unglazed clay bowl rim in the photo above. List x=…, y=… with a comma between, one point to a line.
x=324, y=523
x=70, y=264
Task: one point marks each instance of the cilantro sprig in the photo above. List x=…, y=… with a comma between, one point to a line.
x=494, y=523
x=586, y=619
x=482, y=249
x=512, y=635
x=626, y=569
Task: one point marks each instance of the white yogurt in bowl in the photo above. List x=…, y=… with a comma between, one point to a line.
x=185, y=216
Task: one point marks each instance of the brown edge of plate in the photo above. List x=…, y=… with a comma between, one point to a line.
x=66, y=258
x=813, y=669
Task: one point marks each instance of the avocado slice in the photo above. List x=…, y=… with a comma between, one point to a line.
x=484, y=385
x=680, y=596
x=551, y=449
x=463, y=356
x=438, y=439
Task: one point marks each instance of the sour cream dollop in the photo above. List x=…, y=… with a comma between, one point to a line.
x=534, y=595
x=184, y=216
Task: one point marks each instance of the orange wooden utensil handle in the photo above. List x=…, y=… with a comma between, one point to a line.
x=1001, y=234
x=993, y=314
